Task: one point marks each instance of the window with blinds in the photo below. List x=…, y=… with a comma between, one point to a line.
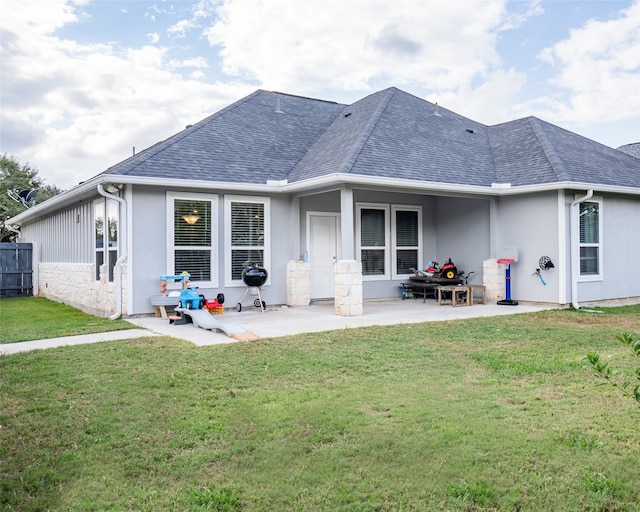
x=246, y=235
x=388, y=246
x=192, y=238
x=590, y=227
x=406, y=240
x=373, y=241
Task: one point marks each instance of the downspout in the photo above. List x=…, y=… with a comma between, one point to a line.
x=122, y=241
x=575, y=249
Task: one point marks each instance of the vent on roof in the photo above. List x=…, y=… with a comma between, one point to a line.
x=436, y=112
x=469, y=130
x=347, y=114
x=278, y=108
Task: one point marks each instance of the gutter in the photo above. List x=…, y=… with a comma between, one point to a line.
x=574, y=227
x=122, y=247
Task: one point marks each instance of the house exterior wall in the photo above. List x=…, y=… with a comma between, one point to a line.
x=462, y=228
x=65, y=236
x=149, y=245
x=620, y=250
x=530, y=224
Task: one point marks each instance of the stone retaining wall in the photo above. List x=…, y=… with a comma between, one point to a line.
x=74, y=284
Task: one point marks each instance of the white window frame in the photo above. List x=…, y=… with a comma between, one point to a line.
x=105, y=205
x=599, y=245
x=266, y=247
x=170, y=264
x=394, y=248
x=390, y=247
x=387, y=241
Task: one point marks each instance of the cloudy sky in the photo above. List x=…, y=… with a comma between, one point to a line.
x=83, y=82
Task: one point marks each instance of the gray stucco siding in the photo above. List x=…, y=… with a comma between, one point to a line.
x=530, y=224
x=620, y=251
x=149, y=245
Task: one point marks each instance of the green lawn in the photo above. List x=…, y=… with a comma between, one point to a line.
x=36, y=318
x=483, y=414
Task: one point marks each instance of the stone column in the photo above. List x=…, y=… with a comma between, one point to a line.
x=348, y=297
x=298, y=283
x=493, y=279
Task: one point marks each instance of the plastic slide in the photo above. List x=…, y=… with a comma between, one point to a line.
x=204, y=320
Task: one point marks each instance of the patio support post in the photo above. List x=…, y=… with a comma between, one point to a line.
x=347, y=223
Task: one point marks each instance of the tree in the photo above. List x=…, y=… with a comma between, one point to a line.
x=15, y=177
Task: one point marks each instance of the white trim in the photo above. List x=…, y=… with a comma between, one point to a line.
x=171, y=196
x=599, y=245
x=266, y=201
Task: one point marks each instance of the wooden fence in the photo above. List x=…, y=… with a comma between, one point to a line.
x=16, y=270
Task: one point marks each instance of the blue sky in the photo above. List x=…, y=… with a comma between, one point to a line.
x=85, y=81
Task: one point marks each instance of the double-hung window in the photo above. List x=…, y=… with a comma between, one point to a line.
x=192, y=236
x=106, y=236
x=247, y=240
x=591, y=240
x=406, y=229
x=389, y=240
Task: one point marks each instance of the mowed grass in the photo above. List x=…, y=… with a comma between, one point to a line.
x=36, y=318
x=484, y=414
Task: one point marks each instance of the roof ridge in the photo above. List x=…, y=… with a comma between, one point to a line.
x=549, y=150
x=352, y=156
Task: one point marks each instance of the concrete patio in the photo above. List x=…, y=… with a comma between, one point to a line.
x=319, y=316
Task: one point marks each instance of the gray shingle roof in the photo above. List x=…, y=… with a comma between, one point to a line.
x=631, y=149
x=258, y=138
x=388, y=134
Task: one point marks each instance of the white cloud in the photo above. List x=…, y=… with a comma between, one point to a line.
x=308, y=46
x=71, y=110
x=597, y=71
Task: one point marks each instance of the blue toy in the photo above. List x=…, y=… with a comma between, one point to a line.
x=191, y=299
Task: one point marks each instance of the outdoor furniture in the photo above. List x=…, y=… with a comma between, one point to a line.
x=428, y=285
x=419, y=288
x=457, y=297
x=478, y=298
x=160, y=303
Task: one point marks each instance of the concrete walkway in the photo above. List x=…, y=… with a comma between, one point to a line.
x=283, y=321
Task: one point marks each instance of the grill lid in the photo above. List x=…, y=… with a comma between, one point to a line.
x=254, y=275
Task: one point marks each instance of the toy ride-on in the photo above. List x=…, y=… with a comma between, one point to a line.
x=191, y=299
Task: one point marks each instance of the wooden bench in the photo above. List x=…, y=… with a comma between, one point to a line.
x=160, y=303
